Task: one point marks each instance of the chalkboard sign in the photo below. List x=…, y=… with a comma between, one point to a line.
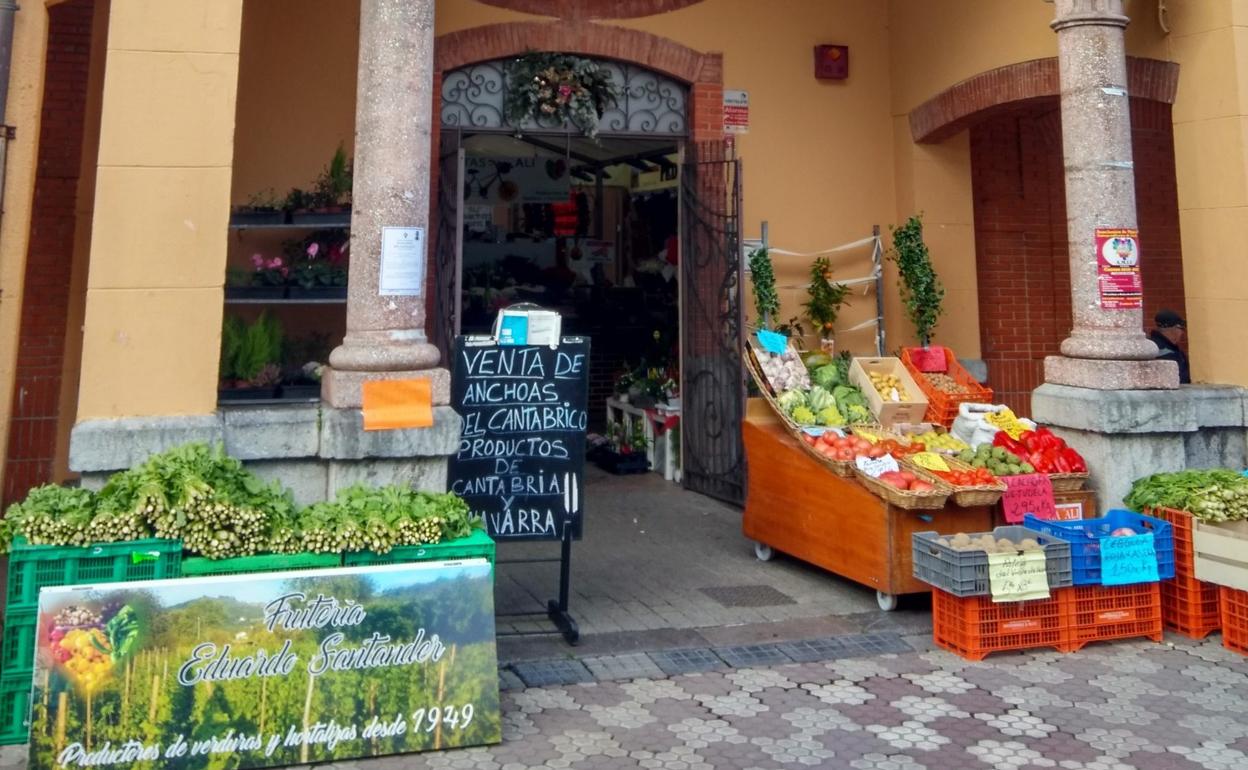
x=521, y=458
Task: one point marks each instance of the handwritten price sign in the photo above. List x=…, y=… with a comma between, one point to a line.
x=1127, y=560
x=878, y=466
x=1018, y=577
x=1032, y=494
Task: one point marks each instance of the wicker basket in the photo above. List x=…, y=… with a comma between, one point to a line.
x=972, y=497
x=845, y=469
x=1068, y=482
x=909, y=501
x=764, y=387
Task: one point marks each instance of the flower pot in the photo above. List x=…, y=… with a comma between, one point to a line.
x=300, y=392
x=317, y=292
x=233, y=395
x=622, y=464
x=257, y=217
x=255, y=292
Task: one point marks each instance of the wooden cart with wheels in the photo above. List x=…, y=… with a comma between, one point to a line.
x=796, y=506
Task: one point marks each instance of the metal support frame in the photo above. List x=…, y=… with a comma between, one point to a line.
x=556, y=609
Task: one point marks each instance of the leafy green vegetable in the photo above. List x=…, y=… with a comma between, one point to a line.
x=1211, y=495
x=791, y=399
x=820, y=399
x=828, y=376
x=803, y=416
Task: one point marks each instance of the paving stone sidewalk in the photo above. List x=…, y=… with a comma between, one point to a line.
x=1125, y=706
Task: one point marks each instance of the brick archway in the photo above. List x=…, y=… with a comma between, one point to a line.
x=985, y=95
x=593, y=9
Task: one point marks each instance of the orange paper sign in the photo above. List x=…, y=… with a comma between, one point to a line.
x=395, y=404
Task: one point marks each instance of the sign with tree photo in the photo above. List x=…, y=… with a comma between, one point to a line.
x=253, y=671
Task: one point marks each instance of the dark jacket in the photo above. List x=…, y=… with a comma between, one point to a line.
x=1168, y=351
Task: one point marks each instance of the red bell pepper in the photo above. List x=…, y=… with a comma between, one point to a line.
x=1002, y=439
x=1074, y=460
x=1030, y=440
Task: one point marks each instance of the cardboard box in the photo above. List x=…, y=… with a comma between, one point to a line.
x=889, y=413
x=1221, y=552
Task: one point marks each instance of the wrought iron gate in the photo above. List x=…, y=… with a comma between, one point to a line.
x=448, y=245
x=712, y=385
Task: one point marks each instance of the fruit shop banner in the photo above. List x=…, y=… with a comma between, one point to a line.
x=520, y=465
x=253, y=671
x=514, y=180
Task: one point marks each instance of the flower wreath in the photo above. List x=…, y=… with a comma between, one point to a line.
x=555, y=88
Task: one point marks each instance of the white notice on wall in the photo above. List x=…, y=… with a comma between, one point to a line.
x=402, y=261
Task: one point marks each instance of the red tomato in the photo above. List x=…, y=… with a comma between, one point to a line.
x=876, y=452
x=845, y=454
x=908, y=476
x=921, y=486
x=809, y=439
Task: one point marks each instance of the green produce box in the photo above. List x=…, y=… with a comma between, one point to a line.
x=477, y=545
x=32, y=567
x=266, y=562
x=14, y=708
x=17, y=652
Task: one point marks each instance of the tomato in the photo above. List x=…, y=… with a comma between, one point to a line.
x=845, y=455
x=809, y=439
x=908, y=476
x=828, y=437
x=876, y=452
x=921, y=486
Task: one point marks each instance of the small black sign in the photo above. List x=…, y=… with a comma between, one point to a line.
x=521, y=458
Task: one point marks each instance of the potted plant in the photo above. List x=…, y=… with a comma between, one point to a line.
x=302, y=367
x=266, y=280
x=330, y=198
x=262, y=208
x=825, y=300
x=250, y=359
x=624, y=451
x=318, y=266
x=306, y=385
x=921, y=291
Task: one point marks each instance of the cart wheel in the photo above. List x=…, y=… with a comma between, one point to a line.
x=763, y=551
x=887, y=602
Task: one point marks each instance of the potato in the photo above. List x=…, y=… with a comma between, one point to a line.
x=961, y=539
x=1028, y=544
x=1006, y=545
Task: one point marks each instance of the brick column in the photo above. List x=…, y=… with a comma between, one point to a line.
x=1107, y=348
x=386, y=333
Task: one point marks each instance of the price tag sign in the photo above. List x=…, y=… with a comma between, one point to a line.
x=931, y=461
x=773, y=342
x=1018, y=577
x=1007, y=421
x=1127, y=560
x=1032, y=493
x=878, y=466
x=817, y=432
x=930, y=359
x=874, y=439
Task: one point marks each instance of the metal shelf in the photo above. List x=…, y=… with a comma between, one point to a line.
x=284, y=301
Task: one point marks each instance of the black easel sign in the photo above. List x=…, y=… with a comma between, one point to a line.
x=520, y=465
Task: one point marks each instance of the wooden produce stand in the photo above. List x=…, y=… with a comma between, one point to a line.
x=797, y=506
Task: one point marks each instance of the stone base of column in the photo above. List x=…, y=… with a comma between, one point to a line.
x=345, y=390
x=1111, y=375
x=1128, y=434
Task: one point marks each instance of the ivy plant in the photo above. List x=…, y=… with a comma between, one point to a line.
x=921, y=290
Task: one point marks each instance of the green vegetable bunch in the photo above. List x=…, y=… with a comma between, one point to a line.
x=379, y=519
x=54, y=515
x=852, y=404
x=921, y=290
x=1210, y=495
x=826, y=297
x=763, y=281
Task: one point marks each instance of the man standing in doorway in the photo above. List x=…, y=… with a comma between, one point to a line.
x=1171, y=328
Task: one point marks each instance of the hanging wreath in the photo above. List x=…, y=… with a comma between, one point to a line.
x=552, y=89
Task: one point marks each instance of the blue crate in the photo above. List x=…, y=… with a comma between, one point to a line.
x=1085, y=541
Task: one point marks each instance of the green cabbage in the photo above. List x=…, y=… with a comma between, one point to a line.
x=791, y=399
x=803, y=416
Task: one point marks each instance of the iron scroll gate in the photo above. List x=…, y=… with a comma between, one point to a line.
x=712, y=381
x=447, y=273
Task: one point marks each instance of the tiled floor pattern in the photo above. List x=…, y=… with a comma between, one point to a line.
x=1126, y=706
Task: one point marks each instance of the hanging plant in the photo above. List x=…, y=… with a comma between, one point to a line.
x=763, y=281
x=920, y=288
x=826, y=297
x=556, y=88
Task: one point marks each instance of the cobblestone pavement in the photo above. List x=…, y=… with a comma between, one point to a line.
x=1178, y=706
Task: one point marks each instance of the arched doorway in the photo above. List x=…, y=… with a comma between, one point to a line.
x=1018, y=183
x=634, y=235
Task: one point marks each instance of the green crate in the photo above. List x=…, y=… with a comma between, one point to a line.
x=478, y=545
x=265, y=562
x=14, y=708
x=17, y=650
x=32, y=567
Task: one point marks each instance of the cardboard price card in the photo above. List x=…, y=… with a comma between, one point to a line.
x=1032, y=493
x=878, y=466
x=1128, y=559
x=1018, y=577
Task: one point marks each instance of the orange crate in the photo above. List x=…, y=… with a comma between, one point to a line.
x=1101, y=613
x=1234, y=605
x=1190, y=607
x=975, y=626
x=942, y=408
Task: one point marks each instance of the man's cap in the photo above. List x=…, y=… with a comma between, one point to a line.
x=1168, y=319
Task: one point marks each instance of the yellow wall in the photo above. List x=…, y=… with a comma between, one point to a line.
x=25, y=102
x=153, y=310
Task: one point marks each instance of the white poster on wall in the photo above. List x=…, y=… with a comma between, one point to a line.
x=491, y=180
x=402, y=261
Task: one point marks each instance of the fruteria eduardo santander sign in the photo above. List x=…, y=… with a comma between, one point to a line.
x=255, y=671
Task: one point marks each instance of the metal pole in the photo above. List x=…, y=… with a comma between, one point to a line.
x=8, y=10
x=877, y=264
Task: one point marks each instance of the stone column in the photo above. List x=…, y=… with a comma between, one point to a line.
x=386, y=334
x=1107, y=349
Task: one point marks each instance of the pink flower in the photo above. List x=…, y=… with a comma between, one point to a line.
x=565, y=91
x=275, y=263
x=337, y=253
x=313, y=250
x=257, y=261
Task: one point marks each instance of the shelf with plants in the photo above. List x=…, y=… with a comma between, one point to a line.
x=260, y=364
